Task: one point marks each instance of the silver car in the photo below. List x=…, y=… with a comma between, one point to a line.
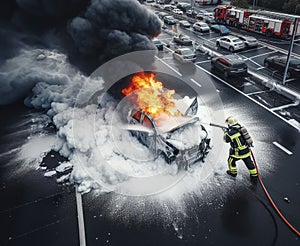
x=184, y=55
x=166, y=141
x=230, y=43
x=201, y=26
x=250, y=42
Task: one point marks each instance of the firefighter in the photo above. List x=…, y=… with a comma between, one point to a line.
x=239, y=149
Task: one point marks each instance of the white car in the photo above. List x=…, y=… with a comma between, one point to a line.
x=201, y=26
x=230, y=43
x=177, y=11
x=184, y=55
x=250, y=42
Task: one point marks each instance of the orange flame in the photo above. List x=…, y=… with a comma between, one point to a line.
x=150, y=96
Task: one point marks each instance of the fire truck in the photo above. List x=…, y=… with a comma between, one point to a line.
x=207, y=2
x=265, y=22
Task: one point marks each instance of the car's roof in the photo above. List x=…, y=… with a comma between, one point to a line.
x=200, y=22
x=182, y=49
x=234, y=59
x=292, y=60
x=231, y=37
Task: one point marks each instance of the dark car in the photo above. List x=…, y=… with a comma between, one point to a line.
x=184, y=6
x=169, y=20
x=278, y=63
x=182, y=39
x=229, y=65
x=159, y=45
x=223, y=30
x=165, y=139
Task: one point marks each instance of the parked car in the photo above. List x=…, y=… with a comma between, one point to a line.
x=223, y=30
x=161, y=15
x=278, y=62
x=165, y=139
x=249, y=41
x=184, y=23
x=191, y=13
x=209, y=18
x=201, y=26
x=169, y=7
x=169, y=20
x=184, y=6
x=182, y=39
x=184, y=55
x=229, y=65
x=230, y=43
x=200, y=14
x=177, y=11
x=159, y=45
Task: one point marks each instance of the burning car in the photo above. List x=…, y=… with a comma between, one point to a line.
x=166, y=127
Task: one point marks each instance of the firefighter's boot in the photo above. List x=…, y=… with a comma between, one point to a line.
x=231, y=174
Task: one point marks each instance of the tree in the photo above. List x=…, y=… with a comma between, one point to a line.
x=240, y=3
x=292, y=7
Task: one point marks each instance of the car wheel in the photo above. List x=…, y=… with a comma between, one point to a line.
x=267, y=64
x=218, y=45
x=226, y=74
x=269, y=33
x=231, y=49
x=167, y=159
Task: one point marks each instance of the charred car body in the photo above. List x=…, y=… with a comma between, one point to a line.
x=170, y=140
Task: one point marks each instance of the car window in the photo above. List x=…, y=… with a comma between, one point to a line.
x=146, y=122
x=187, y=52
x=235, y=40
x=136, y=115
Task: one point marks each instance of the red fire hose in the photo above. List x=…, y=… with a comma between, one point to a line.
x=272, y=202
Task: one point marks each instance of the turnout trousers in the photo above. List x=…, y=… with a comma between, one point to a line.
x=248, y=162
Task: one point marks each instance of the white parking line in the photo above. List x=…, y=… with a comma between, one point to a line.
x=167, y=58
x=263, y=54
x=195, y=82
x=82, y=241
x=254, y=93
x=245, y=51
x=286, y=106
x=202, y=62
x=282, y=148
x=260, y=68
x=250, y=98
x=173, y=69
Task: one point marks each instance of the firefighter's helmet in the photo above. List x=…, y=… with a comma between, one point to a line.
x=231, y=121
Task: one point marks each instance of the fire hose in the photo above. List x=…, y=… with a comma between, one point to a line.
x=271, y=200
x=264, y=188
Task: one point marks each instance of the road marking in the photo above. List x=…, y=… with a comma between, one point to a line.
x=282, y=148
x=202, y=62
x=259, y=68
x=167, y=58
x=286, y=106
x=289, y=80
x=258, y=48
x=275, y=48
x=256, y=92
x=195, y=82
x=80, y=218
x=250, y=98
x=173, y=69
x=267, y=53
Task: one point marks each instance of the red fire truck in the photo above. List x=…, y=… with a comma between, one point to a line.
x=265, y=22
